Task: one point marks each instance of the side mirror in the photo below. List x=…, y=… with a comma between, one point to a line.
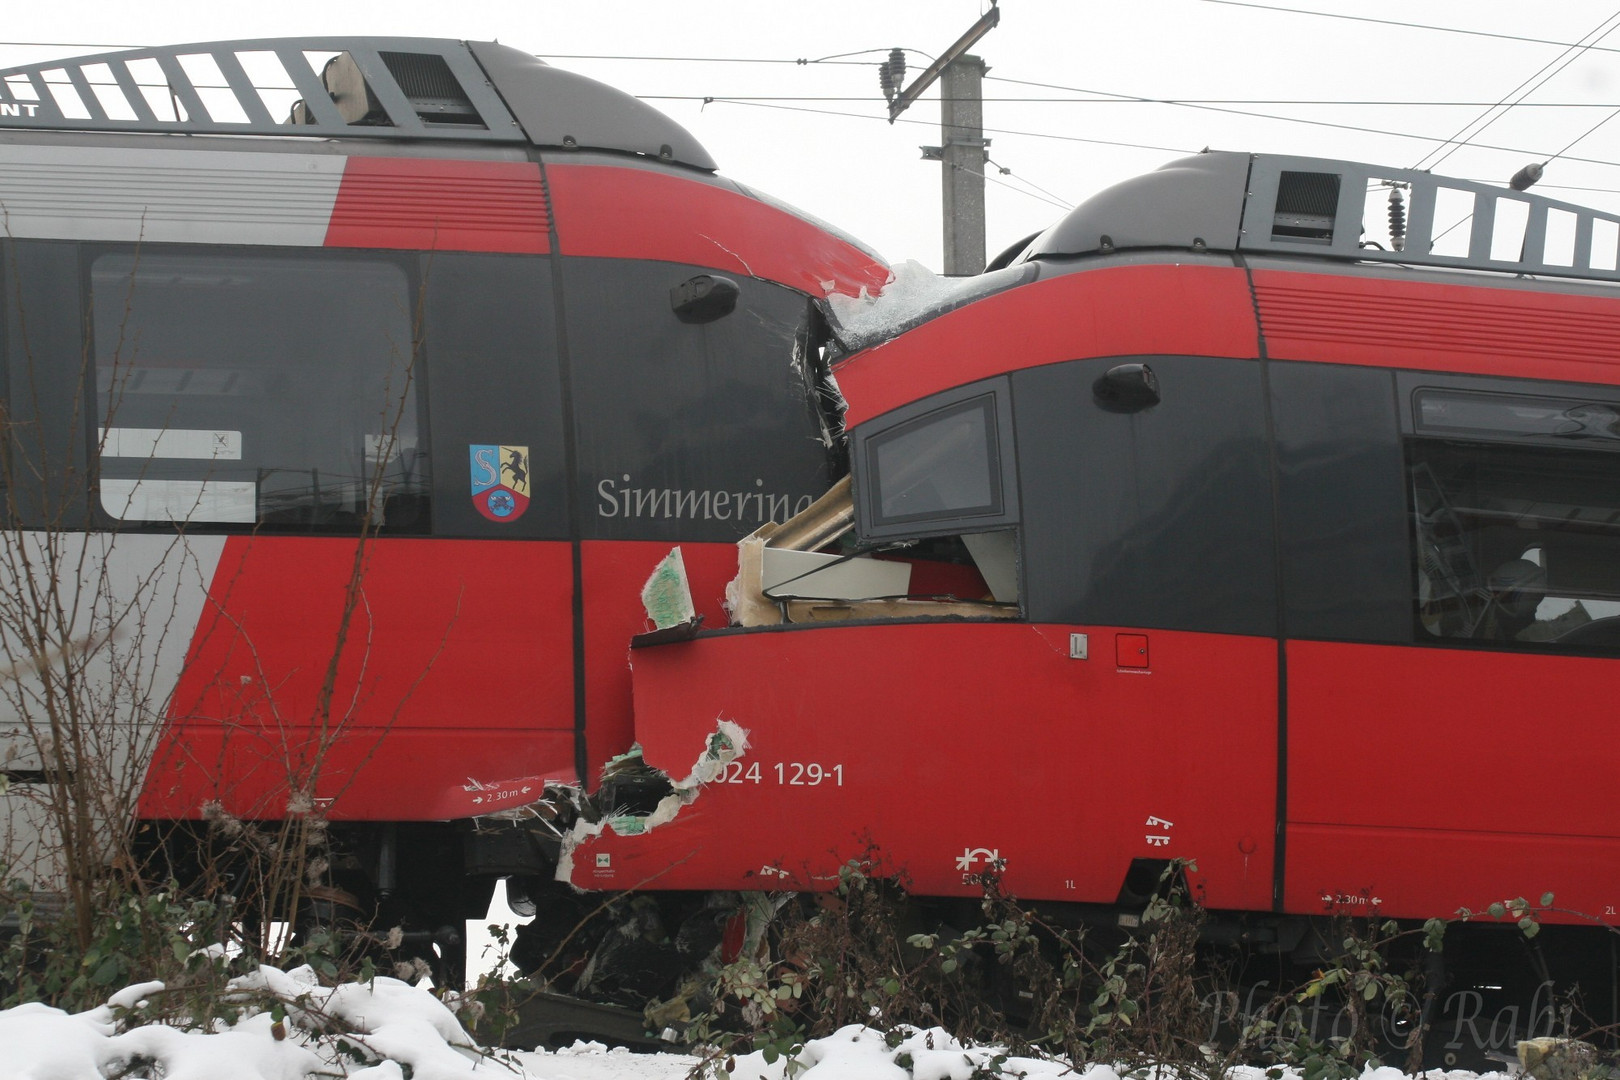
x=704, y=298
x=1126, y=388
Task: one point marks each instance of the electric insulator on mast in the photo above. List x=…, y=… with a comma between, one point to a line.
x=892, y=74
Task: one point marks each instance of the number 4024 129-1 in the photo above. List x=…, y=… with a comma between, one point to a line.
x=786, y=773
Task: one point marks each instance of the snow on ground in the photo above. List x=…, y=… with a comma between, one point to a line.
x=393, y=1030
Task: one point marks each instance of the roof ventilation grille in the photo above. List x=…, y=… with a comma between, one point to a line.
x=425, y=79
x=433, y=91
x=1307, y=203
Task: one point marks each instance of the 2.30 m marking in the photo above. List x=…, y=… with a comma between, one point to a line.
x=786, y=773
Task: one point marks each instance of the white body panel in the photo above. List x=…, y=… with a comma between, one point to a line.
x=167, y=196
x=94, y=632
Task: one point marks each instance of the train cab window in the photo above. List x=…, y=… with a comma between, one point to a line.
x=933, y=487
x=1516, y=519
x=274, y=391
x=941, y=469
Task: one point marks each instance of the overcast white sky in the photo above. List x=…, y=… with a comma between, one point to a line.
x=858, y=172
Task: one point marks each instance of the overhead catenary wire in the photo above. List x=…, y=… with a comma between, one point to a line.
x=1407, y=25
x=1213, y=104
x=1092, y=96
x=1005, y=171
x=1061, y=205
x=1528, y=87
x=1126, y=100
x=1581, y=137
x=65, y=45
x=1308, y=121
x=930, y=123
x=1515, y=150
x=797, y=62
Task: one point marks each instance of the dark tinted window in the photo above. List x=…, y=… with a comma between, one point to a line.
x=1346, y=572
x=688, y=431
x=42, y=460
x=1157, y=518
x=491, y=332
x=943, y=465
x=241, y=389
x=1516, y=544
x=1516, y=417
x=938, y=467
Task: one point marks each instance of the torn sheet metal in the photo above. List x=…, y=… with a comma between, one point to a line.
x=726, y=744
x=667, y=595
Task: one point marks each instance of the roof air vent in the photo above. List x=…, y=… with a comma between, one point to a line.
x=1306, y=206
x=431, y=88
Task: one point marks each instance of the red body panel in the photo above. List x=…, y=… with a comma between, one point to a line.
x=1115, y=311
x=426, y=204
x=1428, y=326
x=1435, y=779
x=637, y=214
x=614, y=573
x=1066, y=769
x=457, y=676
x=456, y=672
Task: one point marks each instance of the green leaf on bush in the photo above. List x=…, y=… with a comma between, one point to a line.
x=1546, y=899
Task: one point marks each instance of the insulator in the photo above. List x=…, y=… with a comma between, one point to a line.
x=1397, y=220
x=1526, y=177
x=892, y=73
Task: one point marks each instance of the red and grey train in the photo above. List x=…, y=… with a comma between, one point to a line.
x=1205, y=527
x=258, y=295
x=1298, y=525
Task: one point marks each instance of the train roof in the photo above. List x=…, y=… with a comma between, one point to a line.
x=396, y=88
x=1280, y=205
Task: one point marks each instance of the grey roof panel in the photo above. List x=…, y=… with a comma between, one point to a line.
x=1323, y=208
x=377, y=88
x=561, y=108
x=1191, y=203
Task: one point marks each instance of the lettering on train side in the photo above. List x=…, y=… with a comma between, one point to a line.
x=621, y=499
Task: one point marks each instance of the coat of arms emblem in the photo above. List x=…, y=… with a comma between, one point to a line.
x=500, y=481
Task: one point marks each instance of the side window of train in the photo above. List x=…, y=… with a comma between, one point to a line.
x=943, y=471
x=939, y=466
x=272, y=390
x=1515, y=502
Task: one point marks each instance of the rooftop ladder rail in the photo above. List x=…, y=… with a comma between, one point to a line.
x=351, y=87
x=1342, y=209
